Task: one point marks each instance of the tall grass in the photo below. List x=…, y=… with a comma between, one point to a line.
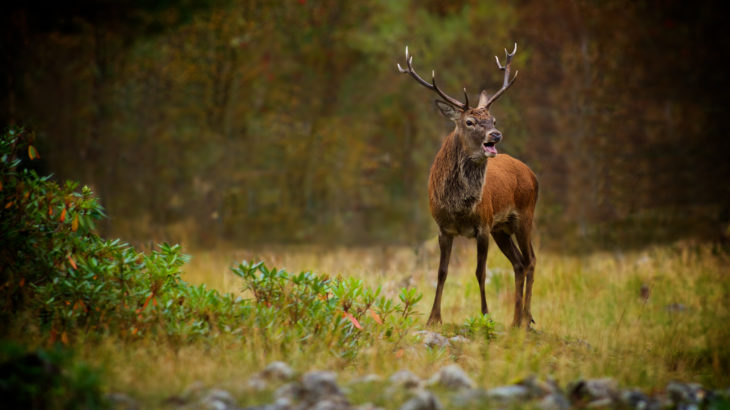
x=592, y=320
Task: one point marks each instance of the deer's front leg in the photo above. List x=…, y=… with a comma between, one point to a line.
x=445, y=242
x=482, y=249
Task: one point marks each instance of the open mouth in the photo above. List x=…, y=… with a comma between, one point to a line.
x=489, y=149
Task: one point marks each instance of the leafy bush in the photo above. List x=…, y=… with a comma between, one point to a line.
x=482, y=326
x=60, y=277
x=343, y=312
x=44, y=226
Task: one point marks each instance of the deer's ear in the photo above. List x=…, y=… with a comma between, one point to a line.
x=448, y=110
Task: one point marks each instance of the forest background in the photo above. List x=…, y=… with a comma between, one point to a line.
x=287, y=122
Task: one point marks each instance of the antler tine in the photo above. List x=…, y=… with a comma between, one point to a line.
x=432, y=85
x=506, y=83
x=450, y=100
x=466, y=99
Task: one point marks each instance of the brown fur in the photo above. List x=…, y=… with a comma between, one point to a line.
x=473, y=196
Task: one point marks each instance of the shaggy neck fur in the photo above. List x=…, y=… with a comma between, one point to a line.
x=456, y=179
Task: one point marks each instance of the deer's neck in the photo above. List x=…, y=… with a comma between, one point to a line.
x=456, y=181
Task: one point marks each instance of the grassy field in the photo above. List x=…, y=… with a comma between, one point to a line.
x=592, y=321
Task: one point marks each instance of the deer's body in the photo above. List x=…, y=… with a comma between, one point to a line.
x=475, y=192
x=467, y=197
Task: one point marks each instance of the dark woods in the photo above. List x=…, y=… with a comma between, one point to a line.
x=288, y=122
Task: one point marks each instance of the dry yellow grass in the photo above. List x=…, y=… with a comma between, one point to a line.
x=592, y=320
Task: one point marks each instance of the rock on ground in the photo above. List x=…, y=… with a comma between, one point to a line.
x=277, y=371
x=594, y=390
x=404, y=378
x=316, y=390
x=217, y=399
x=554, y=401
x=509, y=394
x=451, y=377
x=433, y=339
x=422, y=400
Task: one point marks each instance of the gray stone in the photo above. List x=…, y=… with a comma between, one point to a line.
x=469, y=398
x=422, y=400
x=458, y=340
x=277, y=371
x=281, y=404
x=257, y=383
x=335, y=403
x=554, y=401
x=635, y=399
x=217, y=399
x=289, y=391
x=451, y=377
x=538, y=388
x=594, y=389
x=404, y=378
x=688, y=393
x=320, y=384
x=513, y=393
x=432, y=339
x=316, y=390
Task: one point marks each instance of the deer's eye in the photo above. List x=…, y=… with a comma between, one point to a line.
x=469, y=123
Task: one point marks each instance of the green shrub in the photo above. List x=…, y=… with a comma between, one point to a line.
x=59, y=274
x=62, y=280
x=481, y=326
x=341, y=311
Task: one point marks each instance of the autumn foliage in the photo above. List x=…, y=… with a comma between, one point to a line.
x=255, y=121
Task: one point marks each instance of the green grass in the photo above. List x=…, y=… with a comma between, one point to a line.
x=591, y=322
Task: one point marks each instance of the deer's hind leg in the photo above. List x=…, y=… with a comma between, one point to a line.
x=524, y=240
x=509, y=249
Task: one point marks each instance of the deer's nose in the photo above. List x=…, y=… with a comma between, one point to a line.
x=494, y=136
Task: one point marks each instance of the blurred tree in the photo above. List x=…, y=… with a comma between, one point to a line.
x=287, y=121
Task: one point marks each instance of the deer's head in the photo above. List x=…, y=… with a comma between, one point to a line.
x=476, y=128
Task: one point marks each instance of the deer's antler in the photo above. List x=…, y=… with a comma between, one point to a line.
x=432, y=85
x=507, y=83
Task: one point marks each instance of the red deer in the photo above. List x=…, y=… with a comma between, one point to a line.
x=475, y=192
